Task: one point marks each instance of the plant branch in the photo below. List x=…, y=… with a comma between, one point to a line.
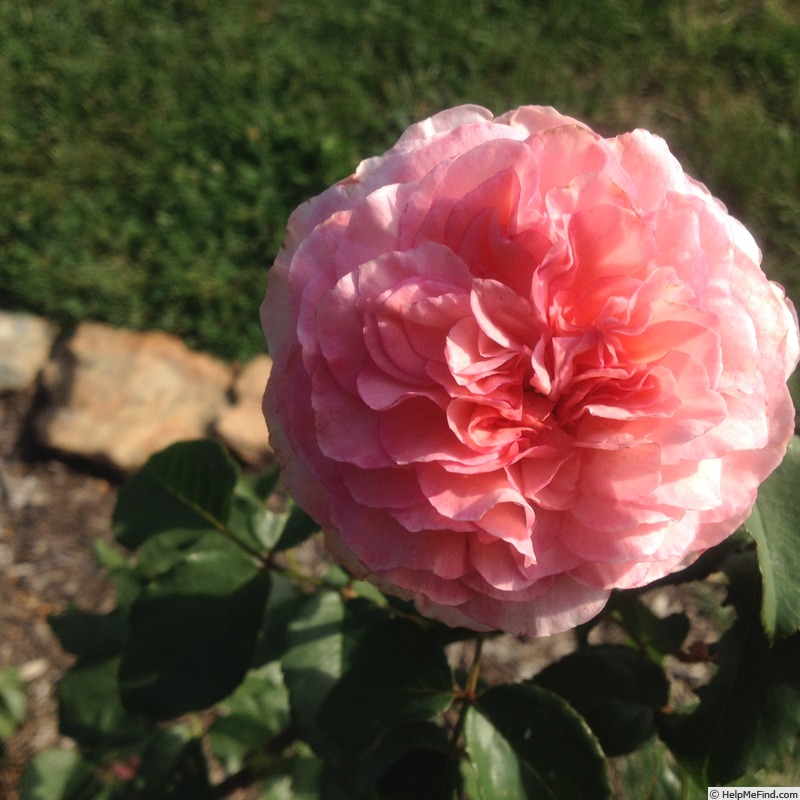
x=467, y=698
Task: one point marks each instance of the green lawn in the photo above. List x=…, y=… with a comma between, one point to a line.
x=151, y=150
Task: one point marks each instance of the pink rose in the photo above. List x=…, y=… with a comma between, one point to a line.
x=517, y=365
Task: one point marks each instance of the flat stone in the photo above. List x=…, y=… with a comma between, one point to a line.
x=241, y=426
x=25, y=342
x=118, y=396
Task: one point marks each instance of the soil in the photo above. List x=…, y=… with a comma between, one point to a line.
x=51, y=512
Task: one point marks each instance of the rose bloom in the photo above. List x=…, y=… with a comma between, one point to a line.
x=518, y=365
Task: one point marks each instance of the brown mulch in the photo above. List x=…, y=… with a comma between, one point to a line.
x=51, y=512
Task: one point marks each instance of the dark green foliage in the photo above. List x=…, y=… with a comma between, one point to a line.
x=396, y=675
x=60, y=775
x=189, y=485
x=90, y=707
x=647, y=631
x=193, y=631
x=617, y=691
x=526, y=742
x=772, y=526
x=314, y=687
x=749, y=713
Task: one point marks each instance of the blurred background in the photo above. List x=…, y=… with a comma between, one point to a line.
x=152, y=150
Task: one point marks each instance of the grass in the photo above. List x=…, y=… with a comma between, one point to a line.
x=150, y=152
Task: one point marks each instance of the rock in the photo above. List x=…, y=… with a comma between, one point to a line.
x=118, y=396
x=241, y=426
x=33, y=670
x=20, y=490
x=25, y=342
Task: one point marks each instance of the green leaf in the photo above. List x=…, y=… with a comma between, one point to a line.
x=255, y=524
x=525, y=742
x=416, y=774
x=193, y=631
x=90, y=708
x=370, y=592
x=260, y=486
x=108, y=556
x=189, y=485
x=298, y=528
x=615, y=689
x=252, y=716
x=267, y=529
x=320, y=643
x=251, y=516
x=749, y=713
x=160, y=552
x=651, y=773
x=314, y=659
x=646, y=630
x=794, y=388
x=420, y=774
x=285, y=601
x=397, y=675
x=409, y=761
x=301, y=780
x=378, y=768
x=173, y=767
x=124, y=576
x=774, y=525
x=12, y=702
x=59, y=775
x=91, y=637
